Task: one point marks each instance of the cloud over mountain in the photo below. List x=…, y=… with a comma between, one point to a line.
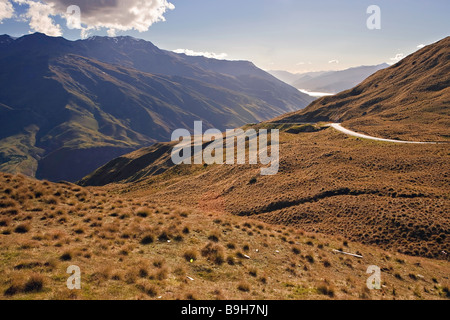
x=212, y=55
x=114, y=15
x=397, y=58
x=6, y=10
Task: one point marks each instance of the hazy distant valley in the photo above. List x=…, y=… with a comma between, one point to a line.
x=330, y=82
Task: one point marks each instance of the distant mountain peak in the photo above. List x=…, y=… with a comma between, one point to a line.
x=5, y=39
x=118, y=38
x=38, y=35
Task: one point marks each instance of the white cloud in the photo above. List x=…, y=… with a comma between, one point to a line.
x=397, y=58
x=117, y=15
x=420, y=46
x=188, y=52
x=6, y=10
x=113, y=15
x=333, y=61
x=40, y=17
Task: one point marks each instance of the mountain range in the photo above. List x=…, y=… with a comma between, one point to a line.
x=328, y=81
x=67, y=107
x=387, y=101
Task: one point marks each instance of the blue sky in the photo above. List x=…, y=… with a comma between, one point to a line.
x=292, y=35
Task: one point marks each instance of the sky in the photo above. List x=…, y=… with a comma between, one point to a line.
x=292, y=35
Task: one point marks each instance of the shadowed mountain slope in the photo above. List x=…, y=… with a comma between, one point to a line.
x=67, y=107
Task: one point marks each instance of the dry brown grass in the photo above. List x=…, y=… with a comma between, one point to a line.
x=271, y=263
x=381, y=194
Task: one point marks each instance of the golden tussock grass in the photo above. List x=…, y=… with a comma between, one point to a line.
x=126, y=255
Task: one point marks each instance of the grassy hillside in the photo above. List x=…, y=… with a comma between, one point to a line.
x=408, y=101
x=132, y=246
x=382, y=194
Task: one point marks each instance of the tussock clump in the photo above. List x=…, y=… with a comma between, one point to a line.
x=22, y=228
x=102, y=274
x=51, y=200
x=131, y=275
x=8, y=203
x=159, y=263
x=148, y=288
x=244, y=287
x=66, y=256
x=161, y=274
x=13, y=211
x=5, y=222
x=13, y=290
x=247, y=225
x=27, y=265
x=143, y=212
x=186, y=230
x=214, y=236
x=326, y=290
x=231, y=246
x=117, y=276
x=190, y=254
x=230, y=260
x=446, y=292
x=34, y=284
x=164, y=236
x=125, y=235
x=191, y=296
x=38, y=194
x=310, y=258
x=214, y=253
x=79, y=230
x=253, y=272
x=178, y=238
x=147, y=239
x=124, y=251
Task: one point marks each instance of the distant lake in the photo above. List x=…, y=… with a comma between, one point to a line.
x=316, y=94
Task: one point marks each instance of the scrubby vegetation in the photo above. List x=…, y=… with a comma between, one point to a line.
x=175, y=252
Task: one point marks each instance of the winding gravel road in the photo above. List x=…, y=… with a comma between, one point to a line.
x=340, y=128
